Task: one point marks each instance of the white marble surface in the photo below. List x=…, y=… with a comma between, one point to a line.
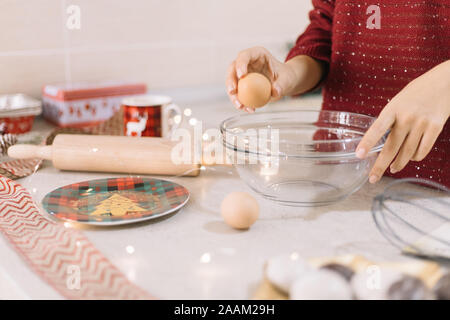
x=193, y=254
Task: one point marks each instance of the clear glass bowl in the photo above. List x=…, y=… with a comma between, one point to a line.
x=299, y=158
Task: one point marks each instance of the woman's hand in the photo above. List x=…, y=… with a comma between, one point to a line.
x=415, y=116
x=296, y=76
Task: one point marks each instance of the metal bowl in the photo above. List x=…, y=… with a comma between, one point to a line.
x=299, y=158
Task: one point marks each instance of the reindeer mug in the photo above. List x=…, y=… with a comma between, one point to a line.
x=150, y=116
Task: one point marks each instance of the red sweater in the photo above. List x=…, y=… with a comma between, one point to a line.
x=372, y=52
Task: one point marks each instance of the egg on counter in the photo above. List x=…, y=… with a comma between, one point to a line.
x=321, y=285
x=239, y=210
x=283, y=270
x=254, y=90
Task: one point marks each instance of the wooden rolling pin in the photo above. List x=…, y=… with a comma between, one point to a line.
x=108, y=154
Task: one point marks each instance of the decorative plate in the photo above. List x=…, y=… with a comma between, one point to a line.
x=115, y=201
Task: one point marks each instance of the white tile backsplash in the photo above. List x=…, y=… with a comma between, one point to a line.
x=165, y=43
x=30, y=25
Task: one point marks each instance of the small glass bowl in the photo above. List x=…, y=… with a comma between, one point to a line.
x=300, y=158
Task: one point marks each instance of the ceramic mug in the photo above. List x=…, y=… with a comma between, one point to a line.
x=150, y=116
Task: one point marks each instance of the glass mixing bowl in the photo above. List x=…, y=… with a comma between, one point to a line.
x=299, y=158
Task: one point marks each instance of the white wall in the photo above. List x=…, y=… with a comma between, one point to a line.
x=165, y=43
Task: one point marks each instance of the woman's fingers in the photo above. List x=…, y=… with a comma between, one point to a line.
x=280, y=85
x=429, y=138
x=411, y=138
x=276, y=91
x=388, y=153
x=375, y=133
x=407, y=150
x=242, y=61
x=231, y=81
x=417, y=145
x=234, y=99
x=231, y=84
x=256, y=59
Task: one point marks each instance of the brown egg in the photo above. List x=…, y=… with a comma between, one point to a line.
x=254, y=90
x=239, y=210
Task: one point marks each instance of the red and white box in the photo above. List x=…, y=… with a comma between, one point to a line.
x=17, y=112
x=78, y=105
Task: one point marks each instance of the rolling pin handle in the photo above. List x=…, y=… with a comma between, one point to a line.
x=29, y=151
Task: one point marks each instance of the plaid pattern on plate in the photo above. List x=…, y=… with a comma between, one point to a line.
x=115, y=200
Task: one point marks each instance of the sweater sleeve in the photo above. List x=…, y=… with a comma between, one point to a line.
x=316, y=40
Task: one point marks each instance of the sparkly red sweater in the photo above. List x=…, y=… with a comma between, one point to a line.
x=372, y=50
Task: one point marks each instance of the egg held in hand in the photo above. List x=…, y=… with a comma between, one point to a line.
x=239, y=210
x=254, y=90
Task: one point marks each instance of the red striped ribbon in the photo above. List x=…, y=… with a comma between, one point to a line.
x=63, y=257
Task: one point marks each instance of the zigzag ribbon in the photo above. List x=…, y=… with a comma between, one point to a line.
x=58, y=254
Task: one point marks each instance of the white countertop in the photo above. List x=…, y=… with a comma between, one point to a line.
x=167, y=260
